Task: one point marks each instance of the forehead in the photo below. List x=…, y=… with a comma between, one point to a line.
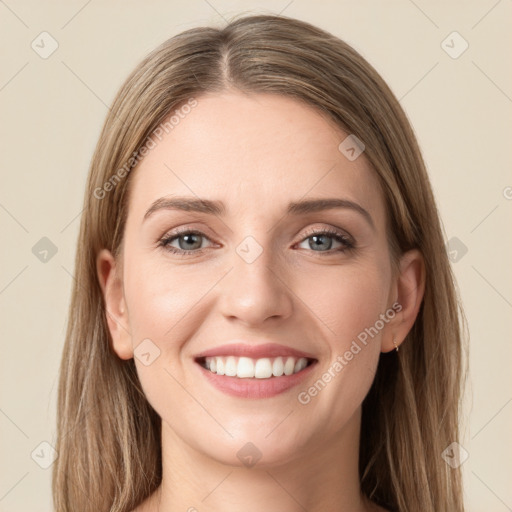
x=254, y=152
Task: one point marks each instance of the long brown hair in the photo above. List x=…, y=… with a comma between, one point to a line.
x=109, y=449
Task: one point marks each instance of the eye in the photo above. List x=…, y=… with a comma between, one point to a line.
x=322, y=239
x=189, y=241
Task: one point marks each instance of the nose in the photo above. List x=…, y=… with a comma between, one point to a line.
x=256, y=291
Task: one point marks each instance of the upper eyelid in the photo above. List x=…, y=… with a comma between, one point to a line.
x=183, y=231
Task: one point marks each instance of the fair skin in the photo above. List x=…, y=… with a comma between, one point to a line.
x=256, y=153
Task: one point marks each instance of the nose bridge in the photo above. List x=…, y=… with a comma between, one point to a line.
x=255, y=288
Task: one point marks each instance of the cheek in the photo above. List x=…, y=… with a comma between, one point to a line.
x=163, y=305
x=346, y=299
x=349, y=301
x=159, y=298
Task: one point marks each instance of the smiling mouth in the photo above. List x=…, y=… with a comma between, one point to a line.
x=249, y=368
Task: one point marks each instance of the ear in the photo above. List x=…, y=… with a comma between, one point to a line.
x=116, y=311
x=408, y=290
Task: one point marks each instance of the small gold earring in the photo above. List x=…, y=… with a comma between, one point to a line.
x=396, y=346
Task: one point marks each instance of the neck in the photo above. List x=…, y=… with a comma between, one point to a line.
x=324, y=477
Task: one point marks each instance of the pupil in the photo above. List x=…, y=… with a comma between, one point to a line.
x=319, y=238
x=188, y=240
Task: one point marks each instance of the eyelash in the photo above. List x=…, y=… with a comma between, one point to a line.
x=332, y=233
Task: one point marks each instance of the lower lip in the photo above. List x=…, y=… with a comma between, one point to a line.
x=256, y=388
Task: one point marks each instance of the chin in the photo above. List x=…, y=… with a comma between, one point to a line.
x=254, y=451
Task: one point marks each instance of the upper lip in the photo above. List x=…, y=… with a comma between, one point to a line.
x=253, y=351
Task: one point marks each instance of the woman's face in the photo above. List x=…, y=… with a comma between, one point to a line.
x=254, y=273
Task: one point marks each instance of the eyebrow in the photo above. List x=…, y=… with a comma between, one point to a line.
x=212, y=207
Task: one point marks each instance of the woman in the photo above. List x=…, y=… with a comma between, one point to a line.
x=264, y=315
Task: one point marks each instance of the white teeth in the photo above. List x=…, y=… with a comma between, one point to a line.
x=230, y=368
x=278, y=367
x=263, y=369
x=289, y=366
x=220, y=366
x=247, y=368
x=300, y=365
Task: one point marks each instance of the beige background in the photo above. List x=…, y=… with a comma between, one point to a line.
x=52, y=111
